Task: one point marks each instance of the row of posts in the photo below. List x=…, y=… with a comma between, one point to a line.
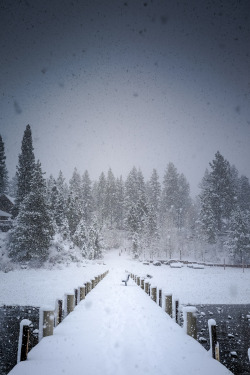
x=190, y=311
x=49, y=319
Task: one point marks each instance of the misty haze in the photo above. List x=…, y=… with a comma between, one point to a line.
x=124, y=187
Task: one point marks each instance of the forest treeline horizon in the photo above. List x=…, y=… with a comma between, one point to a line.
x=158, y=220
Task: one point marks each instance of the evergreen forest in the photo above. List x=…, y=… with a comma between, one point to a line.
x=56, y=221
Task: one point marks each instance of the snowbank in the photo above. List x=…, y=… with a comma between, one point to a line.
x=118, y=330
x=42, y=287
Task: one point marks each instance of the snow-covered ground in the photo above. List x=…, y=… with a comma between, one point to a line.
x=211, y=285
x=118, y=330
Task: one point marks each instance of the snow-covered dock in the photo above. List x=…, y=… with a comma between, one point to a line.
x=118, y=330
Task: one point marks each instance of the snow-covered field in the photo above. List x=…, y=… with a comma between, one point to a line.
x=118, y=330
x=211, y=285
x=128, y=330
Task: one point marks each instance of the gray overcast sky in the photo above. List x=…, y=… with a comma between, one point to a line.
x=123, y=83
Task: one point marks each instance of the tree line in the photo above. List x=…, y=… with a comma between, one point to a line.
x=158, y=219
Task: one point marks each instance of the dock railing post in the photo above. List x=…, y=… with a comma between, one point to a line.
x=69, y=302
x=177, y=311
x=190, y=321
x=23, y=343
x=82, y=292
x=58, y=312
x=154, y=293
x=160, y=297
x=168, y=304
x=76, y=296
x=214, y=345
x=46, y=322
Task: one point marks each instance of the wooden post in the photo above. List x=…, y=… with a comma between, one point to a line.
x=93, y=283
x=160, y=297
x=168, y=304
x=23, y=343
x=154, y=293
x=214, y=345
x=76, y=296
x=177, y=311
x=191, y=321
x=146, y=286
x=88, y=287
x=82, y=292
x=142, y=284
x=48, y=322
x=58, y=317
x=70, y=302
x=138, y=281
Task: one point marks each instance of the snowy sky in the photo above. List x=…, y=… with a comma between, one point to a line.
x=121, y=83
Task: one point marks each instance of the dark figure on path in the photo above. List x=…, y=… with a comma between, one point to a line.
x=125, y=281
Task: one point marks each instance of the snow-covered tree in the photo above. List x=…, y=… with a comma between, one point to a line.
x=25, y=169
x=218, y=198
x=238, y=242
x=100, y=198
x=80, y=237
x=131, y=189
x=3, y=169
x=154, y=192
x=95, y=241
x=170, y=193
x=119, y=208
x=31, y=235
x=110, y=199
x=12, y=190
x=74, y=213
x=207, y=216
x=244, y=193
x=74, y=204
x=87, y=198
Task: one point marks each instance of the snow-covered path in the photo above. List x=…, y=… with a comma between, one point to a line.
x=118, y=330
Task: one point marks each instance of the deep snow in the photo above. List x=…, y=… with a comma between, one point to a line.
x=118, y=330
x=211, y=285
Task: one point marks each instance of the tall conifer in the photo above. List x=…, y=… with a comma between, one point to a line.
x=3, y=169
x=25, y=169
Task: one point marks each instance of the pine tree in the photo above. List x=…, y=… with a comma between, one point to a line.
x=154, y=192
x=244, y=193
x=95, y=241
x=222, y=192
x=207, y=215
x=170, y=193
x=3, y=170
x=25, y=169
x=12, y=190
x=218, y=198
x=238, y=242
x=32, y=233
x=100, y=198
x=74, y=204
x=110, y=199
x=131, y=189
x=184, y=200
x=80, y=237
x=119, y=208
x=87, y=198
